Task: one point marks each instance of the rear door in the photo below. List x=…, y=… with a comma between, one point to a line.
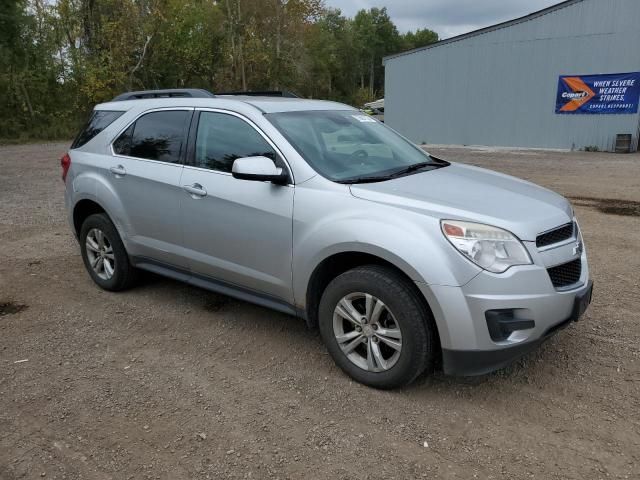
x=146, y=167
x=237, y=231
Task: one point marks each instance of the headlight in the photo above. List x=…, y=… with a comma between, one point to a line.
x=488, y=247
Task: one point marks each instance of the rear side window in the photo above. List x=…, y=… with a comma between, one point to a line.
x=99, y=120
x=222, y=138
x=155, y=136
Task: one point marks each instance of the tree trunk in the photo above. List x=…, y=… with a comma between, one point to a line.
x=73, y=53
x=27, y=99
x=276, y=72
x=232, y=36
x=87, y=17
x=140, y=60
x=243, y=73
x=372, y=76
x=241, y=52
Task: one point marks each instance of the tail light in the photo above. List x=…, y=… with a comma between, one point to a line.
x=65, y=163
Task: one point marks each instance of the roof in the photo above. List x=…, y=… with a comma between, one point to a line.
x=482, y=31
x=264, y=104
x=285, y=104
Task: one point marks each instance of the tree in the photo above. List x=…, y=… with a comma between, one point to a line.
x=58, y=58
x=186, y=46
x=376, y=36
x=328, y=69
x=420, y=38
x=31, y=95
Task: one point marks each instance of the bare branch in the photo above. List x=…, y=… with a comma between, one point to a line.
x=140, y=60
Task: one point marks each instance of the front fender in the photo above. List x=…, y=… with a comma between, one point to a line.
x=326, y=223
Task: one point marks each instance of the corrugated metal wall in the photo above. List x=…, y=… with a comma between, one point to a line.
x=499, y=87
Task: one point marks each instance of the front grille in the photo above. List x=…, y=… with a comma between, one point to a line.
x=557, y=235
x=565, y=274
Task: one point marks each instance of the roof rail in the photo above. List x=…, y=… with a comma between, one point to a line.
x=263, y=93
x=169, y=93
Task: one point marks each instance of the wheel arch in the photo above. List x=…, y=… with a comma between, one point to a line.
x=336, y=264
x=82, y=210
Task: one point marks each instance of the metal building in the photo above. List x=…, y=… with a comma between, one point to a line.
x=509, y=84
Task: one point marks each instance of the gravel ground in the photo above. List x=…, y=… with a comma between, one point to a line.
x=166, y=381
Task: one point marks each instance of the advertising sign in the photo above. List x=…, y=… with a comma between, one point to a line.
x=598, y=94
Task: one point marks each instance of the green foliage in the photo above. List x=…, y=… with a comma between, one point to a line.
x=58, y=58
x=420, y=38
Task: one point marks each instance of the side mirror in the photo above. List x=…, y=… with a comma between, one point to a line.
x=260, y=169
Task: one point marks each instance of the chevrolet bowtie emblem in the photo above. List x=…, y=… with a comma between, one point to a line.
x=577, y=249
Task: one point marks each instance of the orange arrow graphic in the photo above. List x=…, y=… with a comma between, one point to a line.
x=577, y=85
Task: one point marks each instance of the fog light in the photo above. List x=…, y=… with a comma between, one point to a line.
x=502, y=323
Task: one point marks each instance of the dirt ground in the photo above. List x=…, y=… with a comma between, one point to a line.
x=167, y=381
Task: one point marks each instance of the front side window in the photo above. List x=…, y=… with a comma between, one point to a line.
x=221, y=138
x=349, y=146
x=155, y=136
x=99, y=120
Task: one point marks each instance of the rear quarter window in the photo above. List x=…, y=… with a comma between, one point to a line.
x=98, y=121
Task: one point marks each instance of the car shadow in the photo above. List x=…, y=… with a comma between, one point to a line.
x=262, y=320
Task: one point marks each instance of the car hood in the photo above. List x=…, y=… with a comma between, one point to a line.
x=465, y=192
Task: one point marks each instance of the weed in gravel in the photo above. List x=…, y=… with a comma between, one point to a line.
x=216, y=304
x=610, y=206
x=10, y=308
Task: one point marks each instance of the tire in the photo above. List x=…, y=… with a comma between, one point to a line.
x=108, y=252
x=402, y=310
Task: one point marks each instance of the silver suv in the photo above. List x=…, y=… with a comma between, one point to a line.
x=404, y=262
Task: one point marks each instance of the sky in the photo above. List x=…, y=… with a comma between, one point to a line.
x=446, y=17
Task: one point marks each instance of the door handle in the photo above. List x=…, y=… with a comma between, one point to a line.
x=118, y=171
x=196, y=190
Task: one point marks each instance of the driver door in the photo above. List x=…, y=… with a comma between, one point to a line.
x=238, y=232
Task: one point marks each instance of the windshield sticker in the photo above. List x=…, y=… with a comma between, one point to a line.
x=364, y=118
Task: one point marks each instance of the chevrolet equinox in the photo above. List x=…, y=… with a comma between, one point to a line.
x=403, y=261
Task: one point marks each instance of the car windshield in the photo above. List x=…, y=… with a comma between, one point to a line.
x=349, y=146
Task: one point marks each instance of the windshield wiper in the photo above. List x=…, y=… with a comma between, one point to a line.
x=394, y=174
x=413, y=168
x=380, y=178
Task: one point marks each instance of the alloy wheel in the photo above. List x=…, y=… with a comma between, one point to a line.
x=100, y=254
x=367, y=332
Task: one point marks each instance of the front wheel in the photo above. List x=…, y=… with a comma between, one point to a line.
x=376, y=328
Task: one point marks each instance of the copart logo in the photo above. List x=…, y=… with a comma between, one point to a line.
x=577, y=94
x=574, y=95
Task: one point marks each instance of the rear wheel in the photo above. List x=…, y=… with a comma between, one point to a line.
x=376, y=328
x=104, y=255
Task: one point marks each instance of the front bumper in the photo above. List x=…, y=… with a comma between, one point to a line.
x=480, y=362
x=526, y=293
